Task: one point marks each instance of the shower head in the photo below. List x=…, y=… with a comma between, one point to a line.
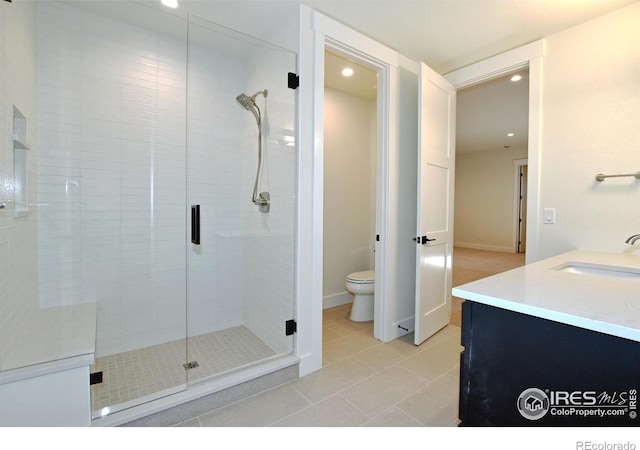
x=249, y=103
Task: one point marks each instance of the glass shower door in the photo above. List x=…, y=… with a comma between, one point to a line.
x=112, y=184
x=241, y=178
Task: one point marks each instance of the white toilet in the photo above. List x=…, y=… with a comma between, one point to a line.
x=362, y=286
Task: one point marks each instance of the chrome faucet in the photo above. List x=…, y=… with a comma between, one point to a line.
x=632, y=239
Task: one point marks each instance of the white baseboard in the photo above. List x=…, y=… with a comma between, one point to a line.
x=489, y=248
x=342, y=298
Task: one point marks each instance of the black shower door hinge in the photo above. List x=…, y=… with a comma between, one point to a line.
x=95, y=378
x=293, y=81
x=290, y=327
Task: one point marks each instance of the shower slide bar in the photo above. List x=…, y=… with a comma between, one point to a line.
x=601, y=177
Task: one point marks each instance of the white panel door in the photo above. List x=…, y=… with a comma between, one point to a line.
x=434, y=236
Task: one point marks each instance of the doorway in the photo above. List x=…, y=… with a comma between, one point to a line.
x=527, y=57
x=350, y=177
x=491, y=140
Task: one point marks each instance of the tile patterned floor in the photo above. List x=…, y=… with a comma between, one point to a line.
x=153, y=371
x=364, y=382
x=367, y=383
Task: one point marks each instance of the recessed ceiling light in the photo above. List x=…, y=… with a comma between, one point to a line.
x=511, y=134
x=516, y=78
x=347, y=71
x=170, y=3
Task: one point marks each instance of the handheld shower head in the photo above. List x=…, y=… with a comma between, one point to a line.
x=262, y=200
x=249, y=103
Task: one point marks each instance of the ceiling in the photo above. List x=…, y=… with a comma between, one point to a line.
x=485, y=113
x=445, y=34
x=363, y=82
x=450, y=34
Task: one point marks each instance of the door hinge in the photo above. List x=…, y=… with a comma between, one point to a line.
x=95, y=378
x=293, y=80
x=290, y=327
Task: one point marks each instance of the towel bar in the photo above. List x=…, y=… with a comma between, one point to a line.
x=601, y=177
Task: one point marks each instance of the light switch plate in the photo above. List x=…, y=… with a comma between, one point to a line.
x=549, y=215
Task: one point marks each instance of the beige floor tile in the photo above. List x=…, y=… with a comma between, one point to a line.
x=345, y=326
x=433, y=361
x=334, y=411
x=189, y=423
x=329, y=335
x=393, y=417
x=336, y=313
x=383, y=390
x=436, y=404
x=257, y=411
x=350, y=345
x=471, y=265
x=332, y=379
x=381, y=357
x=447, y=334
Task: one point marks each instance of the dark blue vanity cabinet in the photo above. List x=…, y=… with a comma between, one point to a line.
x=521, y=370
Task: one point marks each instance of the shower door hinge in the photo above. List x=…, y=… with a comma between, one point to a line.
x=290, y=327
x=95, y=378
x=293, y=81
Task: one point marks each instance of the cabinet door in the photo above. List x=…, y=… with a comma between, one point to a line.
x=519, y=370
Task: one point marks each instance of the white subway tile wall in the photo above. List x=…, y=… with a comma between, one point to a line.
x=125, y=151
x=18, y=242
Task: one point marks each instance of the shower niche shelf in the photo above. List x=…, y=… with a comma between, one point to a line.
x=20, y=164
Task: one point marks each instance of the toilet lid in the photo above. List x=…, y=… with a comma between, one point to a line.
x=366, y=276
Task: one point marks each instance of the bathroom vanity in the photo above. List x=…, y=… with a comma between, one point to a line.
x=553, y=343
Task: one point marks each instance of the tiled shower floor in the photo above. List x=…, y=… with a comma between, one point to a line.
x=146, y=372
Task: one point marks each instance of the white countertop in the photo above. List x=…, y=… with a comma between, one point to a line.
x=594, y=302
x=50, y=340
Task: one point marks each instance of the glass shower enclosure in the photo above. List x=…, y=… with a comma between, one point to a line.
x=147, y=168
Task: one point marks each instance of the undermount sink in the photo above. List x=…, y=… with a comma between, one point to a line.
x=583, y=268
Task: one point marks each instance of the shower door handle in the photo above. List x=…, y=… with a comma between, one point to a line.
x=195, y=224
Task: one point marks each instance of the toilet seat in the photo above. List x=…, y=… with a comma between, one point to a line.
x=364, y=277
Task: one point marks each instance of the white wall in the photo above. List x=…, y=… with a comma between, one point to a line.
x=590, y=125
x=349, y=191
x=484, y=200
x=18, y=235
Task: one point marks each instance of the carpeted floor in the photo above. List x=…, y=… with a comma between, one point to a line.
x=470, y=265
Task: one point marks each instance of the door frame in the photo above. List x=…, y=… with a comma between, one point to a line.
x=331, y=35
x=531, y=56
